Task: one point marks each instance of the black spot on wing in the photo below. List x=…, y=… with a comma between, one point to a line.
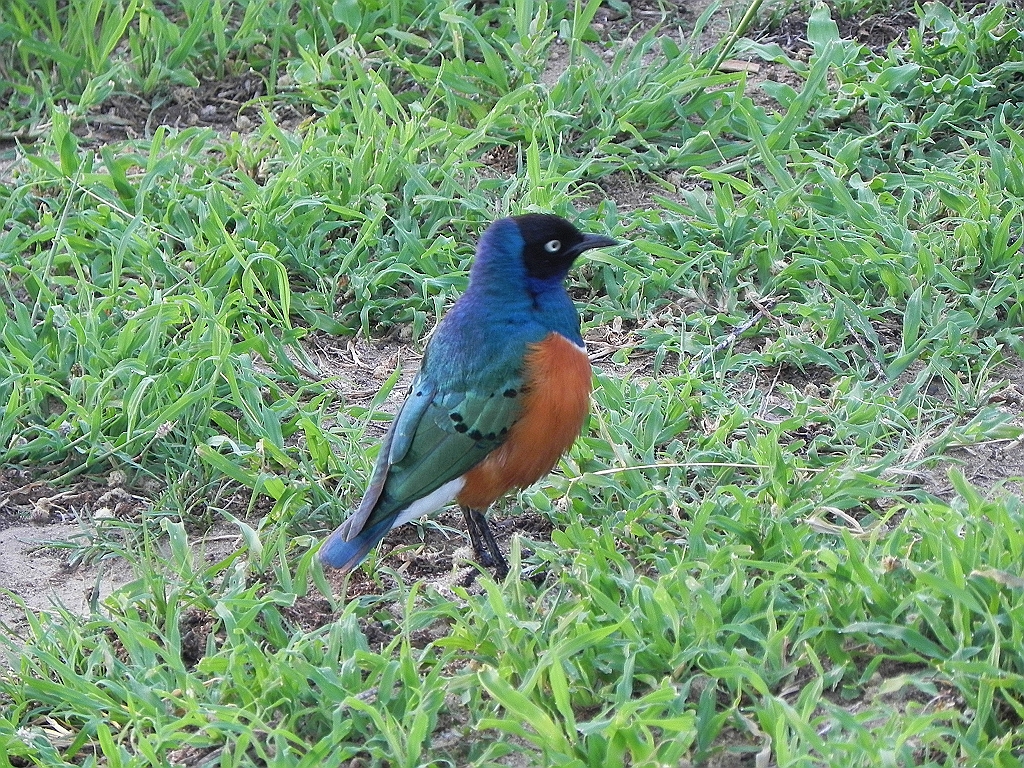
x=484, y=417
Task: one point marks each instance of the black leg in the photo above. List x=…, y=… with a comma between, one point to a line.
x=485, y=548
x=476, y=539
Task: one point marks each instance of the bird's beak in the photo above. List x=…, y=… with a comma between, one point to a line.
x=591, y=241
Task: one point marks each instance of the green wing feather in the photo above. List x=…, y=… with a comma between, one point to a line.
x=434, y=439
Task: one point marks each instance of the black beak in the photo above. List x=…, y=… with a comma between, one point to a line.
x=588, y=242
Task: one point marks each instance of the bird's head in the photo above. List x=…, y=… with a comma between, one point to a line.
x=536, y=248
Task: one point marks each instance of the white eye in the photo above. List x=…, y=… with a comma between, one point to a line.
x=551, y=246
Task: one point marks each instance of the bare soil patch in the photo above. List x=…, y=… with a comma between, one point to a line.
x=227, y=105
x=877, y=31
x=37, y=574
x=997, y=466
x=45, y=533
x=357, y=367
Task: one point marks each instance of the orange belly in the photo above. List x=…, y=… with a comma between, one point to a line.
x=555, y=404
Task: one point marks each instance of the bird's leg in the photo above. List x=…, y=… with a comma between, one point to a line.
x=479, y=533
x=480, y=552
x=485, y=548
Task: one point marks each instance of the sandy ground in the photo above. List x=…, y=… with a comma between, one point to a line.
x=36, y=576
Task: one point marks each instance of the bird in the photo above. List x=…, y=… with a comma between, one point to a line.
x=503, y=390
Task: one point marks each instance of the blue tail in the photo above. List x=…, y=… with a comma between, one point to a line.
x=344, y=555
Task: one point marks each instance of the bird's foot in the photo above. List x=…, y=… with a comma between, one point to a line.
x=483, y=556
x=500, y=566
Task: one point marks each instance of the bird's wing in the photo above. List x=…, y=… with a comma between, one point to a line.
x=437, y=437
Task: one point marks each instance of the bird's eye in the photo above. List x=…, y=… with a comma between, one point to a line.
x=551, y=246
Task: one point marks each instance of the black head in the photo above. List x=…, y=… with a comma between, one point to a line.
x=552, y=244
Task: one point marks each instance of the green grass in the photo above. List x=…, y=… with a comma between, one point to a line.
x=744, y=558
